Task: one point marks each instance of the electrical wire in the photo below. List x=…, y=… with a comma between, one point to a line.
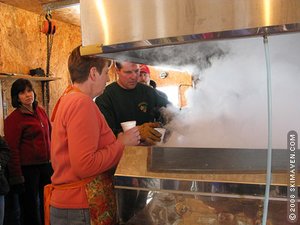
x=269, y=155
x=49, y=50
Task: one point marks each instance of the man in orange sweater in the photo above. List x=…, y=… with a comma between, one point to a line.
x=84, y=150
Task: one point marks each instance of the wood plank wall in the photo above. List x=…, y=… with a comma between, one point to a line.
x=23, y=47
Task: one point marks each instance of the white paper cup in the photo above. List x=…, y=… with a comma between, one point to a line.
x=128, y=125
x=162, y=131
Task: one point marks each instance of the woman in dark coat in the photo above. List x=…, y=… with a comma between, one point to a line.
x=4, y=187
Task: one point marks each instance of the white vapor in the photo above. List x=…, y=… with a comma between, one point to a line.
x=228, y=107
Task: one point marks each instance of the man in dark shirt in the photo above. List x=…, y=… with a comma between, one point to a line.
x=127, y=100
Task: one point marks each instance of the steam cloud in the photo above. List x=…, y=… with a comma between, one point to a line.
x=228, y=107
x=197, y=56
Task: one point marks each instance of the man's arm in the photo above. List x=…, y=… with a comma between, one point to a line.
x=161, y=104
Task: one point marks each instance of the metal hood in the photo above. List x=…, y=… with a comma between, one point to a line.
x=131, y=29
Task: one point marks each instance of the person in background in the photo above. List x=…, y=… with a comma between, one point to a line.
x=153, y=84
x=4, y=187
x=27, y=132
x=144, y=78
x=84, y=150
x=126, y=100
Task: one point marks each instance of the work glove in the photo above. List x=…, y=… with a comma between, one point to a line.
x=148, y=134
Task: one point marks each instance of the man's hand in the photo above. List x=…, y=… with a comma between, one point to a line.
x=148, y=133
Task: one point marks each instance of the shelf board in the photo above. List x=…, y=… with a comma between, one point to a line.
x=29, y=77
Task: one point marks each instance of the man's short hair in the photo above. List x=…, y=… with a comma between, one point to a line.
x=79, y=66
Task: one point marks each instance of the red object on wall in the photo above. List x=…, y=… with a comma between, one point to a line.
x=48, y=26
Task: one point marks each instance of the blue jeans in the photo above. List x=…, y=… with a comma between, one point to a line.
x=1, y=209
x=69, y=216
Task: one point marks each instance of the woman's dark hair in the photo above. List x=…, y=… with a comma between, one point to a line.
x=19, y=86
x=153, y=84
x=79, y=66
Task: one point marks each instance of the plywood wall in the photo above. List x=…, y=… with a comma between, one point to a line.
x=182, y=80
x=23, y=47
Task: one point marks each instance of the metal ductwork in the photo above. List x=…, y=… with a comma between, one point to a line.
x=131, y=29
